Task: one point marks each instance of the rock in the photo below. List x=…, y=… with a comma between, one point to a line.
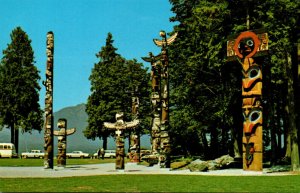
x=279, y=168
x=198, y=166
x=219, y=163
x=224, y=161
x=212, y=165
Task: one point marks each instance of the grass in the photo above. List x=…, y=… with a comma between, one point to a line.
x=143, y=183
x=153, y=183
x=40, y=162
x=18, y=162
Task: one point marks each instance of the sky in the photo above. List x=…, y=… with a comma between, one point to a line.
x=80, y=29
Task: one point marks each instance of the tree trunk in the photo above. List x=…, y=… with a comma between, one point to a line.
x=17, y=140
x=129, y=141
x=274, y=145
x=297, y=93
x=12, y=133
x=274, y=128
x=290, y=109
x=214, y=149
x=204, y=143
x=236, y=149
x=288, y=146
x=279, y=131
x=104, y=142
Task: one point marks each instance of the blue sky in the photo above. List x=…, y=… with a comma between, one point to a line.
x=80, y=28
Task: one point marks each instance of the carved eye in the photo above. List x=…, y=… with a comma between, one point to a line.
x=249, y=42
x=254, y=116
x=253, y=73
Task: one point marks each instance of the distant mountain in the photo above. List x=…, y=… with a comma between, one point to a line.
x=76, y=117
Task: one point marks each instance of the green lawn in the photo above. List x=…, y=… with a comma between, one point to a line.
x=40, y=162
x=153, y=183
x=143, y=183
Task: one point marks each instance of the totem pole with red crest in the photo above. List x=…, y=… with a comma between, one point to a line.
x=247, y=48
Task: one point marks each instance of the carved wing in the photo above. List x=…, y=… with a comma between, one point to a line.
x=158, y=57
x=147, y=59
x=171, y=39
x=158, y=42
x=71, y=131
x=109, y=125
x=56, y=132
x=132, y=124
x=152, y=59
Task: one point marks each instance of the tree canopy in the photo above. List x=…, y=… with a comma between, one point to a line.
x=206, y=89
x=113, y=79
x=19, y=87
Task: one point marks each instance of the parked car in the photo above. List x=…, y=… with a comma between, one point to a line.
x=77, y=154
x=107, y=154
x=35, y=153
x=8, y=150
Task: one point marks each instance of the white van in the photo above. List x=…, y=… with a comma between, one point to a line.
x=7, y=150
x=110, y=153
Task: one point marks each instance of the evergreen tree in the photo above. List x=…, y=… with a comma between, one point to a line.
x=112, y=80
x=205, y=89
x=197, y=75
x=19, y=107
x=138, y=80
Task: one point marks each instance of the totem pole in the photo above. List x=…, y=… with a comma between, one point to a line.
x=134, y=145
x=164, y=127
x=48, y=125
x=62, y=134
x=155, y=99
x=120, y=126
x=247, y=48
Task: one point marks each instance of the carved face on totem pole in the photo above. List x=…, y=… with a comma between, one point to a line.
x=252, y=129
x=246, y=45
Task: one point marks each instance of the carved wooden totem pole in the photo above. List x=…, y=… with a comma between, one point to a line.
x=48, y=125
x=134, y=145
x=120, y=126
x=155, y=99
x=247, y=47
x=164, y=127
x=62, y=134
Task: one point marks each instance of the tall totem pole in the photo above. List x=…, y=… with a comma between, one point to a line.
x=134, y=145
x=155, y=99
x=48, y=125
x=165, y=148
x=247, y=49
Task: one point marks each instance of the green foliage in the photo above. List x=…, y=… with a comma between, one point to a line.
x=205, y=89
x=198, y=70
x=19, y=107
x=112, y=81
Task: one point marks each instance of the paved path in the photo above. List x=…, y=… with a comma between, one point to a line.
x=109, y=169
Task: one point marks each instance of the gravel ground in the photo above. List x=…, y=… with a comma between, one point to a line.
x=109, y=169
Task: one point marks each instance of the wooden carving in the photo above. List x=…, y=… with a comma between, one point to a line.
x=246, y=48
